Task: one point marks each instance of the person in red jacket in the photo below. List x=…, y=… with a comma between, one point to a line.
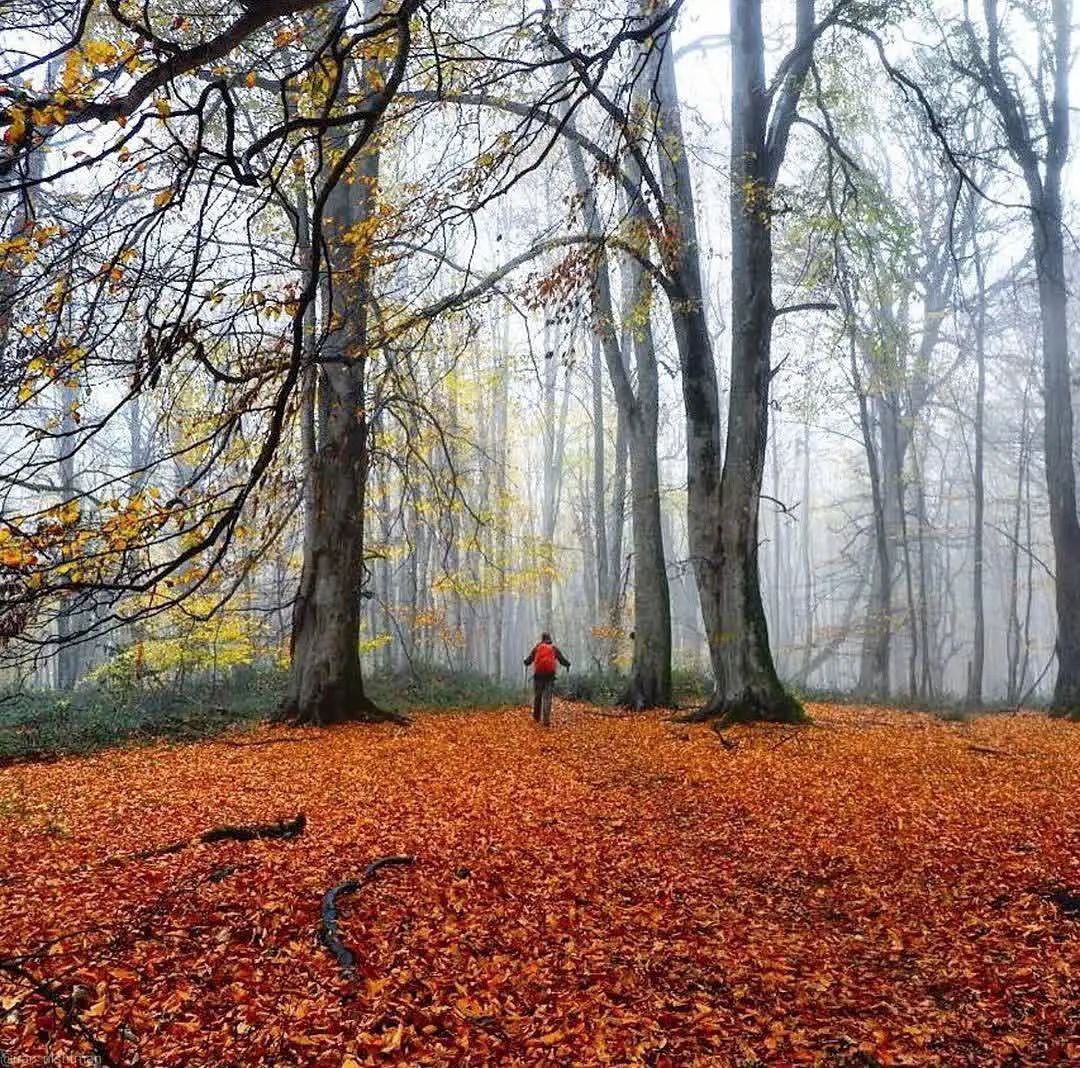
x=544, y=657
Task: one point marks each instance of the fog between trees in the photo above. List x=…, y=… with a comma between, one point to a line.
x=360, y=336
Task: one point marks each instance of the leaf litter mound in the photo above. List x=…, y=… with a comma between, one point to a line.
x=879, y=888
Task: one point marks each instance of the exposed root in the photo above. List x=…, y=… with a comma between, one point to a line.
x=249, y=832
x=333, y=711
x=727, y=743
x=749, y=707
x=328, y=933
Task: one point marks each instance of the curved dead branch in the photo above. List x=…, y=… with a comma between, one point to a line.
x=328, y=933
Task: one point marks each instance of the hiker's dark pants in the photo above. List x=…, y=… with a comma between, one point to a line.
x=543, y=688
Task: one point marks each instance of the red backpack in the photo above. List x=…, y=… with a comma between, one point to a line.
x=544, y=659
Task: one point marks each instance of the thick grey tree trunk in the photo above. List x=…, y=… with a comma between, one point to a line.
x=325, y=680
x=724, y=525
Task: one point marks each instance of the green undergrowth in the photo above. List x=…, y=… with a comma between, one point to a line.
x=44, y=724
x=949, y=709
x=689, y=686
x=429, y=686
x=40, y=724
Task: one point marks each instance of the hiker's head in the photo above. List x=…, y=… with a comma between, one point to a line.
x=545, y=638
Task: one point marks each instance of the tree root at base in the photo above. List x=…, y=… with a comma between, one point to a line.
x=748, y=708
x=331, y=713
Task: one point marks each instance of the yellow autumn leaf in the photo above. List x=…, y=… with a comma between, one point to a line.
x=249, y=81
x=16, y=131
x=163, y=198
x=164, y=108
x=52, y=115
x=100, y=52
x=72, y=76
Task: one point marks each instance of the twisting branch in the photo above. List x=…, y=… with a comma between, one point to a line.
x=328, y=933
x=809, y=305
x=65, y=1005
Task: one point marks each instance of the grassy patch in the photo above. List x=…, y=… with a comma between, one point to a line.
x=689, y=686
x=46, y=723
x=948, y=708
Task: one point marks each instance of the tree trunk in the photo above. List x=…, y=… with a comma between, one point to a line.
x=1013, y=631
x=806, y=554
x=599, y=508
x=650, y=675
x=747, y=686
x=650, y=680
x=978, y=651
x=1058, y=431
x=325, y=680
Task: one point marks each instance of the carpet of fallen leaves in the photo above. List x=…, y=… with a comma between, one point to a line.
x=877, y=888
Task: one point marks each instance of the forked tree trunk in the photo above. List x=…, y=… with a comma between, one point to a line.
x=747, y=686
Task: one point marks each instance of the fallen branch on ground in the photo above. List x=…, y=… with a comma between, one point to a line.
x=1067, y=901
x=66, y=1007
x=249, y=832
x=328, y=934
x=241, y=833
x=718, y=729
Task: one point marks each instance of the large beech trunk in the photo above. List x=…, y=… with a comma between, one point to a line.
x=723, y=514
x=1058, y=431
x=325, y=682
x=747, y=686
x=650, y=679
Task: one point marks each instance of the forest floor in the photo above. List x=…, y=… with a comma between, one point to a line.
x=878, y=888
